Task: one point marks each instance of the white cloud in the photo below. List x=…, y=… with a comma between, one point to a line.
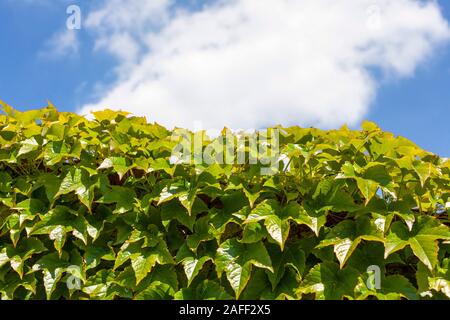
x=61, y=44
x=120, y=26
x=133, y=15
x=251, y=63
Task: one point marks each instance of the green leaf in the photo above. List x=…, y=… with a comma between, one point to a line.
x=55, y=152
x=143, y=260
x=171, y=192
x=207, y=290
x=185, y=193
x=94, y=254
x=58, y=234
x=51, y=183
x=52, y=267
x=236, y=260
x=124, y=198
x=27, y=146
x=251, y=196
x=393, y=287
x=377, y=172
x=73, y=182
x=119, y=164
x=19, y=255
x=424, y=170
x=253, y=232
x=188, y=199
x=367, y=187
x=58, y=216
x=277, y=227
x=155, y=291
x=314, y=219
x=202, y=233
x=440, y=285
x=327, y=281
x=346, y=236
x=97, y=285
x=108, y=115
x=286, y=288
x=76, y=180
x=399, y=284
x=4, y=259
x=294, y=257
x=142, y=264
x=369, y=126
x=5, y=182
x=422, y=239
x=192, y=264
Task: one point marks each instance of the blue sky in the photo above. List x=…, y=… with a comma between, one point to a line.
x=416, y=105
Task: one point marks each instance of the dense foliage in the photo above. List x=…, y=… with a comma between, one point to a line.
x=99, y=209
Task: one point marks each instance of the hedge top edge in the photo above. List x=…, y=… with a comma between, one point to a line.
x=115, y=207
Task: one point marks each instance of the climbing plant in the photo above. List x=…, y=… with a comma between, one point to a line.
x=102, y=208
